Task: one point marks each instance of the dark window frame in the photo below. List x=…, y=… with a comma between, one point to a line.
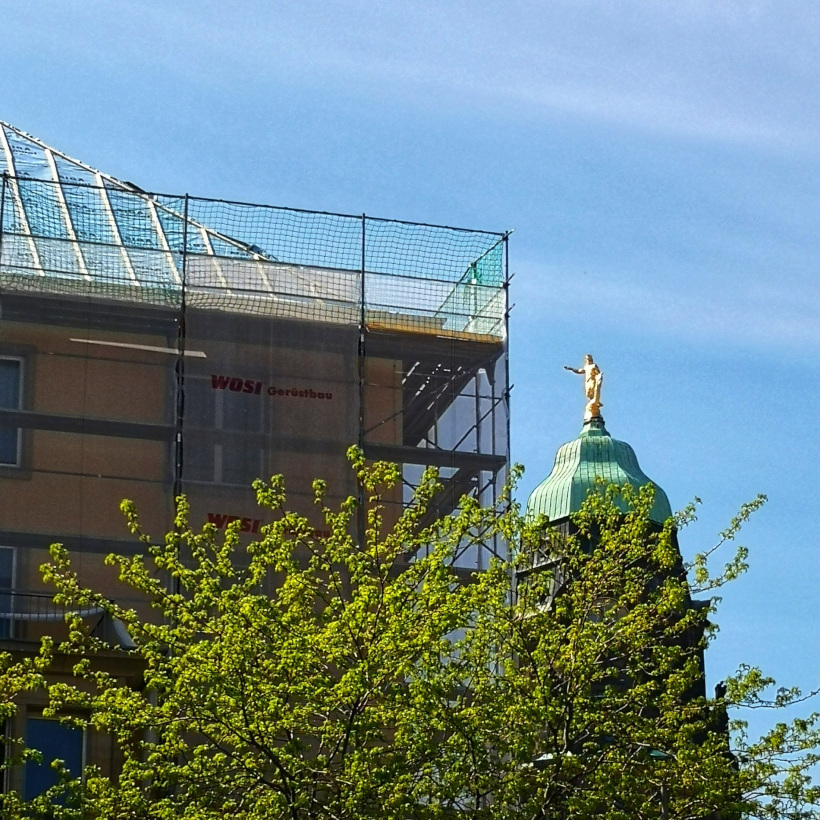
x=21, y=400
x=7, y=595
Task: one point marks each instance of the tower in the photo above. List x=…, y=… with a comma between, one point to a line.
x=586, y=465
x=620, y=637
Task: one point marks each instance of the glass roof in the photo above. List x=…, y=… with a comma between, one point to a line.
x=66, y=228
x=77, y=221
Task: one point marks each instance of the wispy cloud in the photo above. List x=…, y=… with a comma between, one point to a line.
x=728, y=70
x=755, y=315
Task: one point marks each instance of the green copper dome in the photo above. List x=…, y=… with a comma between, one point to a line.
x=594, y=454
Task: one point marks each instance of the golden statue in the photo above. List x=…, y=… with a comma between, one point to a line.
x=592, y=386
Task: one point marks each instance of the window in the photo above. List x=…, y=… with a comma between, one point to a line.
x=213, y=403
x=11, y=371
x=6, y=591
x=222, y=427
x=56, y=741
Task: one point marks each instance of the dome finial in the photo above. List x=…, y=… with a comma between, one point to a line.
x=592, y=387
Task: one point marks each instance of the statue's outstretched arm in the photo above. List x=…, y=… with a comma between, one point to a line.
x=573, y=370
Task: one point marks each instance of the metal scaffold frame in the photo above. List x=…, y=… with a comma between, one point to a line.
x=428, y=304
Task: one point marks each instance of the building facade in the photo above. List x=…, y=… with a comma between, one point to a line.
x=155, y=345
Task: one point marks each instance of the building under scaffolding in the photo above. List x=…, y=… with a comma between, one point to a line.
x=153, y=344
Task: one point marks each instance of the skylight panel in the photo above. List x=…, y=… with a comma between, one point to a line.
x=133, y=218
x=70, y=173
x=88, y=214
x=29, y=159
x=223, y=248
x=43, y=209
x=173, y=225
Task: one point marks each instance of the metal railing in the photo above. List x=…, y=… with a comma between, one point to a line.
x=24, y=606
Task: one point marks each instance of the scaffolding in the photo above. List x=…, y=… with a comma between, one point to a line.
x=165, y=344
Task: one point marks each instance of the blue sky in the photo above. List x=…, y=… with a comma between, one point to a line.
x=658, y=162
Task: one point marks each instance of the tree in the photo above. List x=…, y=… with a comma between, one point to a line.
x=327, y=676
